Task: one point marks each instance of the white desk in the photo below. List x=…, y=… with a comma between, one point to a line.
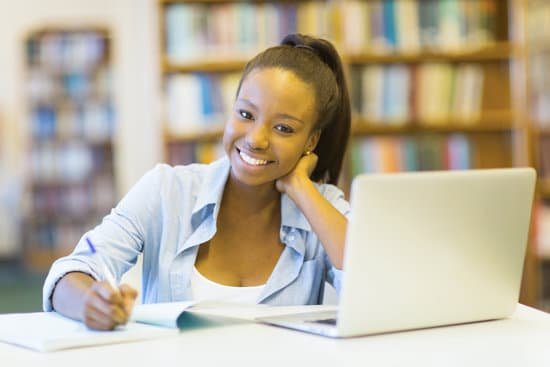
x=522, y=340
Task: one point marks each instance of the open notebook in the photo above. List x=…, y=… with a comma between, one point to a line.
x=49, y=331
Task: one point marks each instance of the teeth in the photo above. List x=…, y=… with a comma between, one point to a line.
x=253, y=161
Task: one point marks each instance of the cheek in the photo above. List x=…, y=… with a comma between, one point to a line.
x=290, y=155
x=230, y=134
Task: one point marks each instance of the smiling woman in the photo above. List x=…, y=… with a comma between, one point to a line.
x=265, y=140
x=265, y=224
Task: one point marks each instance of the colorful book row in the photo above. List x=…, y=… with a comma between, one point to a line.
x=195, y=102
x=67, y=51
x=75, y=86
x=198, y=30
x=68, y=162
x=431, y=93
x=542, y=228
x=412, y=25
x=544, y=157
x=59, y=203
x=394, y=154
x=539, y=81
x=61, y=237
x=92, y=121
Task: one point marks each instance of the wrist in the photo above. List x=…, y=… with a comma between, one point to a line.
x=299, y=187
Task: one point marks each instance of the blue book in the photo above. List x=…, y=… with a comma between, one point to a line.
x=387, y=100
x=390, y=32
x=206, y=96
x=458, y=150
x=428, y=15
x=291, y=14
x=409, y=154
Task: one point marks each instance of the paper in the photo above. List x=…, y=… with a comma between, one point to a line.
x=49, y=331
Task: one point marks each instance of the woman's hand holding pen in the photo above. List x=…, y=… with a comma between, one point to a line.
x=106, y=304
x=106, y=307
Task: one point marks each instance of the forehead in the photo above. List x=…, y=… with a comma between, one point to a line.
x=279, y=91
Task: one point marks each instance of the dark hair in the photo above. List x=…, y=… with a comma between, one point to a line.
x=317, y=63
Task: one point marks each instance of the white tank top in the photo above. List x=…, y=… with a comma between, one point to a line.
x=203, y=289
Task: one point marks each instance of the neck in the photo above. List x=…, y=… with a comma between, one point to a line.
x=251, y=200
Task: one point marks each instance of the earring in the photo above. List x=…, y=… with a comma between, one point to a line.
x=307, y=152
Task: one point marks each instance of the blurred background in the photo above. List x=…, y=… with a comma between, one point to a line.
x=93, y=93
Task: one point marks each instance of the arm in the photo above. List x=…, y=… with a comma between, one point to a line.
x=78, y=296
x=71, y=287
x=327, y=222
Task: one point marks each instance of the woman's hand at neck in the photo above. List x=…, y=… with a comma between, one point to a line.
x=293, y=183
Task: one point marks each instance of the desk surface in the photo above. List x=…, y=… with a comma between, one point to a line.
x=521, y=340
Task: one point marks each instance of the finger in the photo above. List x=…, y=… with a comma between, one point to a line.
x=107, y=292
x=279, y=185
x=129, y=296
x=98, y=322
x=127, y=291
x=311, y=160
x=114, y=312
x=95, y=303
x=95, y=320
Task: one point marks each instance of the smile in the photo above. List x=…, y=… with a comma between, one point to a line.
x=252, y=161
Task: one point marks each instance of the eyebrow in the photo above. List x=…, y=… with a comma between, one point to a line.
x=282, y=115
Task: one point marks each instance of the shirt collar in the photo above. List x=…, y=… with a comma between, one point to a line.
x=213, y=186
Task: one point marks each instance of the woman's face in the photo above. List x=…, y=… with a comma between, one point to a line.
x=270, y=126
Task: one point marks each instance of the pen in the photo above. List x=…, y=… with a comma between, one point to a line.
x=107, y=273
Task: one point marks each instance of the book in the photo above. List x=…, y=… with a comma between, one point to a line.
x=50, y=331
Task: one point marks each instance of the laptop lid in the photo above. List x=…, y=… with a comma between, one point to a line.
x=434, y=248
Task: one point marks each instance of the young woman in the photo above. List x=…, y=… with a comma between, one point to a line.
x=265, y=224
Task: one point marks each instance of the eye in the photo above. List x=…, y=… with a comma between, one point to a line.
x=245, y=114
x=284, y=129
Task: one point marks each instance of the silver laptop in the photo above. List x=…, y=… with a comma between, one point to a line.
x=427, y=249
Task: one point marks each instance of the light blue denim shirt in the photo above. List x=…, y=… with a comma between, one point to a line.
x=173, y=210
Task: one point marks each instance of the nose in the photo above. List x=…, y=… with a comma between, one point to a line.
x=257, y=138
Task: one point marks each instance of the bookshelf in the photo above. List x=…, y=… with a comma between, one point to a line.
x=435, y=84
x=538, y=96
x=69, y=108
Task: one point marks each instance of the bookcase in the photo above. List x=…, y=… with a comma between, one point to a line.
x=538, y=93
x=435, y=84
x=70, y=118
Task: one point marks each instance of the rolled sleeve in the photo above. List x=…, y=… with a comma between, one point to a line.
x=58, y=270
x=334, y=276
x=118, y=239
x=336, y=197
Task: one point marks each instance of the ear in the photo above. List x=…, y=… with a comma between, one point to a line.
x=312, y=141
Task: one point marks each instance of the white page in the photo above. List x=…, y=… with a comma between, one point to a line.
x=49, y=331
